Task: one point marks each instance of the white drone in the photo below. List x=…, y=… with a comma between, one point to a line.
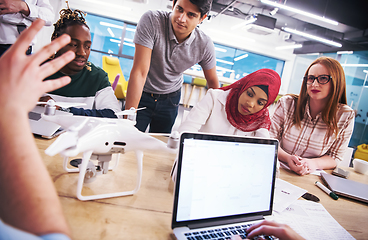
x=99, y=138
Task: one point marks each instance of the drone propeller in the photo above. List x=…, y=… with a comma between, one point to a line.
x=64, y=141
x=131, y=111
x=61, y=104
x=67, y=139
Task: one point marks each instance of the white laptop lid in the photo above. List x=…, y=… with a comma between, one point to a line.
x=223, y=179
x=347, y=188
x=40, y=126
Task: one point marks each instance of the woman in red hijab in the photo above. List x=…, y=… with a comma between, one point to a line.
x=237, y=109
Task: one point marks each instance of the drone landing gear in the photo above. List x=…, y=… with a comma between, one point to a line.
x=87, y=173
x=75, y=162
x=91, y=172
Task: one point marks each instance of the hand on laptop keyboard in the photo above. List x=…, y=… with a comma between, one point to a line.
x=238, y=231
x=270, y=228
x=267, y=230
x=218, y=233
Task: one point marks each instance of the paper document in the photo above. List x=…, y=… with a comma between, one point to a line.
x=312, y=221
x=285, y=194
x=317, y=172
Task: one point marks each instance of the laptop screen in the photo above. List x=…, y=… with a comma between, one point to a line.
x=223, y=176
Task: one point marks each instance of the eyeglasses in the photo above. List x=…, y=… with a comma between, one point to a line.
x=321, y=79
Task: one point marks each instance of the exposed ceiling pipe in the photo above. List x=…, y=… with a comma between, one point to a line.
x=227, y=7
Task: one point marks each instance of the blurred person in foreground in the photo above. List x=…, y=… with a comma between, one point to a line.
x=29, y=205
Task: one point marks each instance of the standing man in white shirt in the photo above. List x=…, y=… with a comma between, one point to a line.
x=17, y=15
x=167, y=44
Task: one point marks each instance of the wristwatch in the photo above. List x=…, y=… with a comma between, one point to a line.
x=64, y=109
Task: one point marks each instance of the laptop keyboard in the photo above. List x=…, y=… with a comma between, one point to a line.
x=221, y=233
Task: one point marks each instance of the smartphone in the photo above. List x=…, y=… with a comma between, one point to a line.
x=340, y=172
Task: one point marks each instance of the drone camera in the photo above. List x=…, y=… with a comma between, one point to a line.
x=90, y=174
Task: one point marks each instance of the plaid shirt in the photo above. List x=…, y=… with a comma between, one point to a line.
x=310, y=139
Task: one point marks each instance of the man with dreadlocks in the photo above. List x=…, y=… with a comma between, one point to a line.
x=89, y=83
x=16, y=15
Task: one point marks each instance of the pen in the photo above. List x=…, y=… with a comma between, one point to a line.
x=326, y=190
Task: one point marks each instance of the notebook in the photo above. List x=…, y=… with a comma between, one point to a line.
x=347, y=188
x=42, y=127
x=223, y=184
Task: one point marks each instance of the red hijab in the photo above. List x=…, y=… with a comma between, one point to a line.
x=261, y=119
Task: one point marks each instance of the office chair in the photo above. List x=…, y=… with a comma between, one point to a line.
x=197, y=82
x=277, y=98
x=116, y=81
x=111, y=65
x=187, y=80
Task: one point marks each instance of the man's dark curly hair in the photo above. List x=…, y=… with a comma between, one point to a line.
x=68, y=18
x=203, y=5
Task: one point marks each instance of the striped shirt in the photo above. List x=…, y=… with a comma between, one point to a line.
x=311, y=140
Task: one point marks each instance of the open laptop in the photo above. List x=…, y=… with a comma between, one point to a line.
x=347, y=188
x=42, y=127
x=223, y=184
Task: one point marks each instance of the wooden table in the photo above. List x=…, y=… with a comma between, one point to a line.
x=350, y=214
x=147, y=214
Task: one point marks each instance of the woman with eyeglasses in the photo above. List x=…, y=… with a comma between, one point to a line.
x=314, y=127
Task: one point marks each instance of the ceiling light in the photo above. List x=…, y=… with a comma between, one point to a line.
x=124, y=43
x=109, y=5
x=345, y=52
x=111, y=25
x=282, y=6
x=223, y=61
x=248, y=20
x=289, y=46
x=229, y=35
x=114, y=40
x=131, y=29
x=365, y=71
x=241, y=57
x=220, y=49
x=129, y=44
x=110, y=31
x=354, y=65
x=303, y=34
x=224, y=69
x=274, y=11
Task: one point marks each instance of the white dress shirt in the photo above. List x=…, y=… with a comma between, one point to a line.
x=209, y=116
x=37, y=9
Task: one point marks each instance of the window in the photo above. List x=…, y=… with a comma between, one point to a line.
x=107, y=35
x=247, y=62
x=129, y=48
x=241, y=63
x=355, y=66
x=224, y=60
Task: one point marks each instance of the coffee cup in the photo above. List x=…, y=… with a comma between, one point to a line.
x=360, y=166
